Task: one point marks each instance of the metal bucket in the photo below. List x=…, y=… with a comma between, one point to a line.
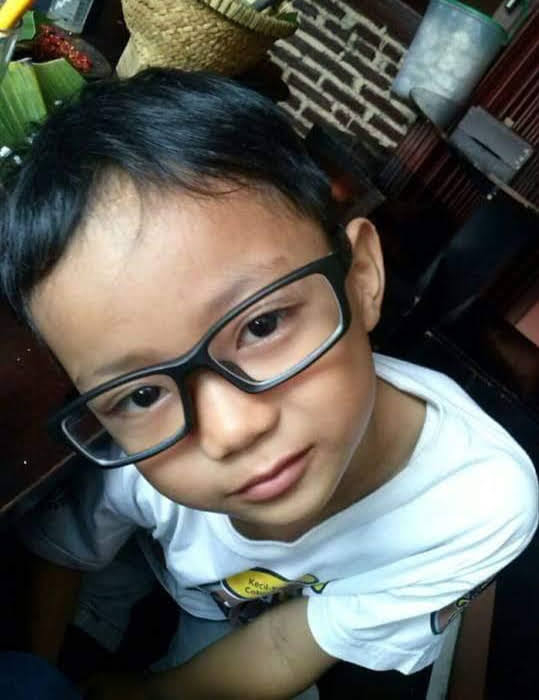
x=451, y=50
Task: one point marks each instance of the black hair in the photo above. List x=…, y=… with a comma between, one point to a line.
x=162, y=127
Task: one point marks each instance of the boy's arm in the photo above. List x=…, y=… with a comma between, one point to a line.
x=272, y=658
x=54, y=591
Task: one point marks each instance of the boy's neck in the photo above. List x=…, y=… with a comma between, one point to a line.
x=394, y=429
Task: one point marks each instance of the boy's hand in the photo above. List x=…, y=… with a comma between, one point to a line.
x=115, y=686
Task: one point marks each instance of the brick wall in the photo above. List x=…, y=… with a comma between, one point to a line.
x=339, y=66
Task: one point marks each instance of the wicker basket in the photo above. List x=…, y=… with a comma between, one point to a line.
x=225, y=36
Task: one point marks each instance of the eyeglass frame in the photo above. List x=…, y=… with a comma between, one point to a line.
x=334, y=267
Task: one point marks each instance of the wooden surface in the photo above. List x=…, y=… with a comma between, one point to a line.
x=31, y=386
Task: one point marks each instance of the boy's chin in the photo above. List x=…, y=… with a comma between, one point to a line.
x=282, y=526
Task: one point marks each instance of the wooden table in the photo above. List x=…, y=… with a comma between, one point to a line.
x=31, y=386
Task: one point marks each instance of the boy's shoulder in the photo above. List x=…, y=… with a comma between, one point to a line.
x=427, y=382
x=447, y=397
x=467, y=475
x=462, y=452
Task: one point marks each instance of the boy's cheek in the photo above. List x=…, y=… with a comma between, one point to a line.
x=335, y=405
x=181, y=483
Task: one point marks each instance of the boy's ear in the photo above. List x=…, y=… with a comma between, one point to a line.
x=367, y=272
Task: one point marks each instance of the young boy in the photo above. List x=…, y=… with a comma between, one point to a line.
x=172, y=243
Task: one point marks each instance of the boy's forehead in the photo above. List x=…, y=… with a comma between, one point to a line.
x=127, y=227
x=115, y=206
x=124, y=213
x=140, y=263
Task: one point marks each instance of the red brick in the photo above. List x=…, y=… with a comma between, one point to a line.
x=342, y=117
x=312, y=93
x=293, y=102
x=367, y=35
x=386, y=129
x=343, y=97
x=338, y=30
x=358, y=129
x=326, y=40
x=391, y=70
x=331, y=8
x=324, y=60
x=391, y=52
x=281, y=51
x=342, y=74
x=307, y=49
x=365, y=50
x=376, y=77
x=311, y=116
x=306, y=8
x=296, y=62
x=383, y=105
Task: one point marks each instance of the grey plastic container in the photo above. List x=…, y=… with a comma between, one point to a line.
x=451, y=50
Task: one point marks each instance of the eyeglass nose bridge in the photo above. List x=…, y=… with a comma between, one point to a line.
x=199, y=359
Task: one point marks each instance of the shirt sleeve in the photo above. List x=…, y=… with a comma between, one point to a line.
x=85, y=521
x=393, y=628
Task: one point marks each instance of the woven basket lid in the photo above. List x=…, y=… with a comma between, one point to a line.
x=225, y=36
x=242, y=14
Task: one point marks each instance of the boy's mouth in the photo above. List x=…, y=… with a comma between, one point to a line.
x=274, y=482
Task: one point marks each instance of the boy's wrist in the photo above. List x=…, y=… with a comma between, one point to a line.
x=162, y=685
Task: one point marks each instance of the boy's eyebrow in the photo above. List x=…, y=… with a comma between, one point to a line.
x=119, y=366
x=250, y=273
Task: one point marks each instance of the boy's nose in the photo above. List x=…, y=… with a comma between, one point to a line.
x=229, y=420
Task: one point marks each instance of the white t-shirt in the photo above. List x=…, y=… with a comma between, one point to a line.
x=384, y=577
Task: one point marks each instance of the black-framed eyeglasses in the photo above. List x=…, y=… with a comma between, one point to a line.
x=270, y=337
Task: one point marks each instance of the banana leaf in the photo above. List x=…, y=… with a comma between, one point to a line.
x=28, y=29
x=28, y=94
x=58, y=80
x=21, y=104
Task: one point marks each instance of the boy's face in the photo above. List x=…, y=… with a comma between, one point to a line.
x=143, y=281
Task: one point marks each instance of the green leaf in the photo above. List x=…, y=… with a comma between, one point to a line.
x=28, y=29
x=28, y=93
x=21, y=104
x=58, y=80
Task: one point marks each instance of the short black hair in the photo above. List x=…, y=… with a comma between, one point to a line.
x=163, y=127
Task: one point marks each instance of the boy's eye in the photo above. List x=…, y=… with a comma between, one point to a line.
x=139, y=400
x=145, y=396
x=262, y=326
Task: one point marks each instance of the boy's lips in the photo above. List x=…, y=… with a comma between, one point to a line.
x=275, y=481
